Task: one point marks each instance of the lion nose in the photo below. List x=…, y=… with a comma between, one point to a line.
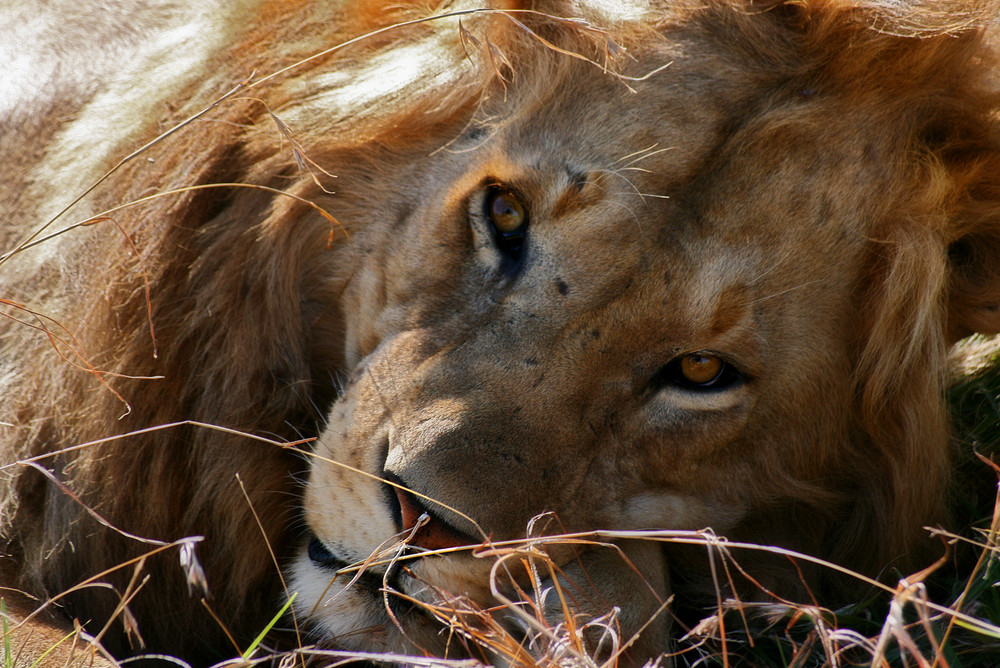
x=426, y=530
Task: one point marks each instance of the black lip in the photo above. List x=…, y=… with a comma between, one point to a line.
x=322, y=557
x=373, y=584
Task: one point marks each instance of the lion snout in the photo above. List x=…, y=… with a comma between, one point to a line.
x=476, y=476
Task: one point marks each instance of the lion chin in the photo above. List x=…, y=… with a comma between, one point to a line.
x=485, y=331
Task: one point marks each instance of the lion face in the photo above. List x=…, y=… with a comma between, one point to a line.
x=638, y=323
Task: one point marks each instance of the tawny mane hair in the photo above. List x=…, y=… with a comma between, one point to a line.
x=243, y=295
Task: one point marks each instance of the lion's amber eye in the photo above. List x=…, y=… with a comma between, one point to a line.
x=506, y=212
x=701, y=369
x=508, y=218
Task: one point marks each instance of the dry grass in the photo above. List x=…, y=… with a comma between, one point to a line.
x=946, y=615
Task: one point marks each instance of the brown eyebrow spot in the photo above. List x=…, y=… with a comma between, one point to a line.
x=583, y=190
x=730, y=309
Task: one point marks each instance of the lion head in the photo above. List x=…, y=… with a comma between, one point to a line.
x=547, y=269
x=712, y=289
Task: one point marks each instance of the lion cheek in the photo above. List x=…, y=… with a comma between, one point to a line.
x=458, y=575
x=358, y=525
x=626, y=587
x=676, y=511
x=343, y=506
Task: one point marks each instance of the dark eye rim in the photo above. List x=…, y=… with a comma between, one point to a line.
x=671, y=375
x=511, y=244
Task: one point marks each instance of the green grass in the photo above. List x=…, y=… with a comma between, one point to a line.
x=8, y=658
x=267, y=629
x=8, y=654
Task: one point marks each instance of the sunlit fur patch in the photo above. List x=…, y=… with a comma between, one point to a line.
x=658, y=509
x=341, y=614
x=157, y=70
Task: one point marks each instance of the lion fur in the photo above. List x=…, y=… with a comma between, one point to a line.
x=246, y=286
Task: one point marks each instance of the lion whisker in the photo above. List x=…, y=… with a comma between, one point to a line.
x=635, y=153
x=785, y=291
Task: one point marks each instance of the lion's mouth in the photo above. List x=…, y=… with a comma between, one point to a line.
x=373, y=580
x=419, y=530
x=382, y=590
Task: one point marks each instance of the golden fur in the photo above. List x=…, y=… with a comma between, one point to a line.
x=809, y=191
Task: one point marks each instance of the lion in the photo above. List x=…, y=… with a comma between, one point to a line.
x=373, y=302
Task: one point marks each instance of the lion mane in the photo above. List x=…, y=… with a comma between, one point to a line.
x=673, y=265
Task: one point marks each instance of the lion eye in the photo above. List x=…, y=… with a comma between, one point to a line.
x=698, y=371
x=701, y=369
x=506, y=212
x=509, y=219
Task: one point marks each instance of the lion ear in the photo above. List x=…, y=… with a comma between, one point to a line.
x=974, y=284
